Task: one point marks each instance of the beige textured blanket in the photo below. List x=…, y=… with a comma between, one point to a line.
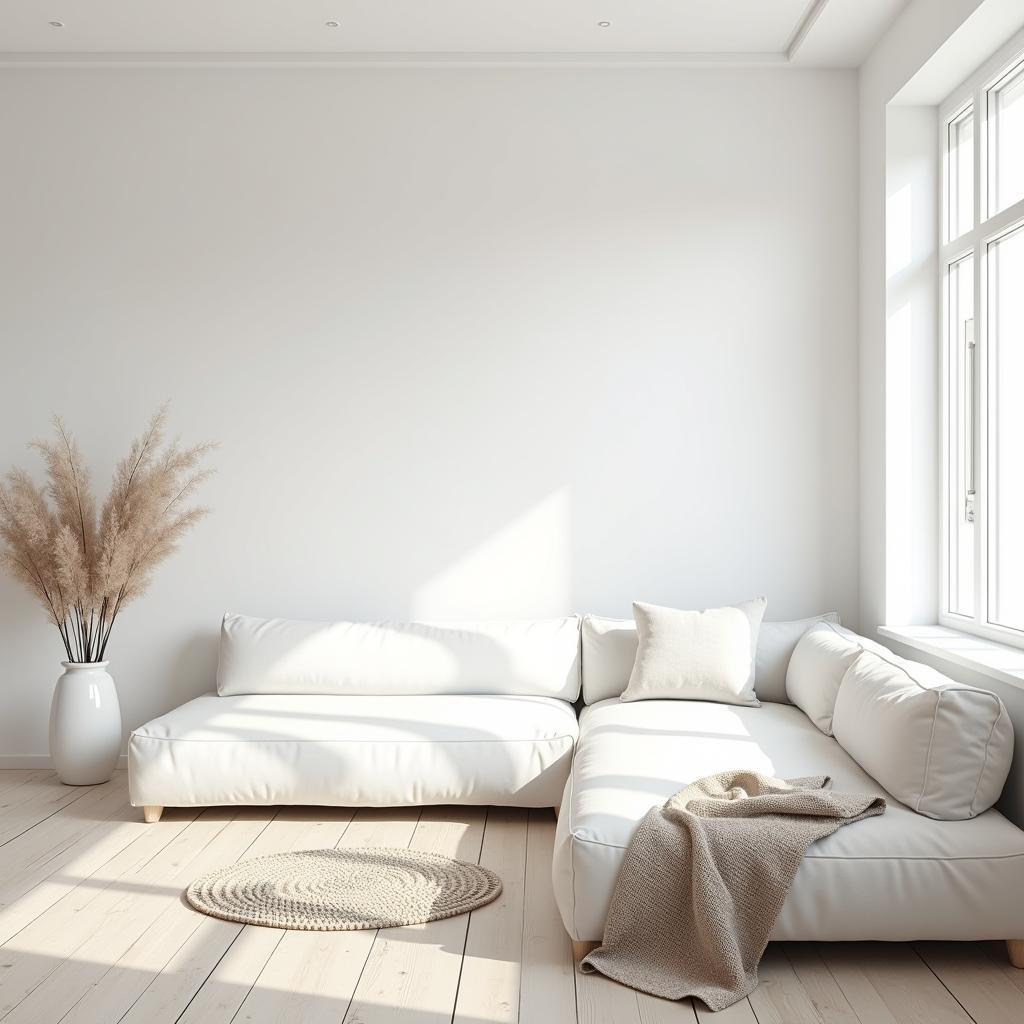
x=705, y=877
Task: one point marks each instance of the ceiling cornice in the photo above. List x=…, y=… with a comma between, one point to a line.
x=804, y=26
x=381, y=60
x=499, y=59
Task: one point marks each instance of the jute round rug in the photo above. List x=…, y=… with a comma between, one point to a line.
x=344, y=889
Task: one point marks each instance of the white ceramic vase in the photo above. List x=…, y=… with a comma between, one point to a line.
x=85, y=724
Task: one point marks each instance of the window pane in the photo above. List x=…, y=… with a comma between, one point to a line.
x=960, y=175
x=1006, y=436
x=1006, y=156
x=961, y=435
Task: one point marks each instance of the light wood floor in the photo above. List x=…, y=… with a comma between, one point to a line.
x=93, y=929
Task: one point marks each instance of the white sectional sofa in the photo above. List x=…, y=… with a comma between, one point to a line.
x=901, y=876
x=357, y=714
x=482, y=713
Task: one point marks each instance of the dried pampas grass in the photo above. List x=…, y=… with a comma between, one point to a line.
x=85, y=565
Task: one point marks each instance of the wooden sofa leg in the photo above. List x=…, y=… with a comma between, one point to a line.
x=152, y=812
x=581, y=949
x=1015, y=950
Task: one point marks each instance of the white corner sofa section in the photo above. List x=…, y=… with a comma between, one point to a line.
x=900, y=876
x=371, y=715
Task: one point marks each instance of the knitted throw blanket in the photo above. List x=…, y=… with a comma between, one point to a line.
x=705, y=877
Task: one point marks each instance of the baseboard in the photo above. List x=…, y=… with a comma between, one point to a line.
x=42, y=761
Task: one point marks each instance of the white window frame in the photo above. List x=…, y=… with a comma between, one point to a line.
x=975, y=91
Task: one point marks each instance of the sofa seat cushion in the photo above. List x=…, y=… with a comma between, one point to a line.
x=355, y=751
x=900, y=876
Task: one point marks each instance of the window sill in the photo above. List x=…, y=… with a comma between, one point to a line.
x=1000, y=661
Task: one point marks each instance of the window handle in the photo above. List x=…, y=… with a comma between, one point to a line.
x=970, y=373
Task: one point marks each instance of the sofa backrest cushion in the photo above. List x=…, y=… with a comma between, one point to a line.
x=775, y=646
x=942, y=748
x=816, y=670
x=609, y=651
x=529, y=658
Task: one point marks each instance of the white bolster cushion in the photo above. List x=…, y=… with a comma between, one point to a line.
x=609, y=651
x=942, y=748
x=816, y=670
x=539, y=659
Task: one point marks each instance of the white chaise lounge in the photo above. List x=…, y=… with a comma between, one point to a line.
x=901, y=876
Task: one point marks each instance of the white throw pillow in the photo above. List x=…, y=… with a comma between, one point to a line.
x=609, y=650
x=775, y=644
x=941, y=748
x=530, y=658
x=690, y=655
x=816, y=669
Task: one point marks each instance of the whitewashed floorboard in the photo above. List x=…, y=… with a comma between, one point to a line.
x=93, y=930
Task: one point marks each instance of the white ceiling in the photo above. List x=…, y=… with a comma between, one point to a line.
x=834, y=33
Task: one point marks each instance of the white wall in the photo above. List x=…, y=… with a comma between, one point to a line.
x=927, y=51
x=474, y=342
x=914, y=37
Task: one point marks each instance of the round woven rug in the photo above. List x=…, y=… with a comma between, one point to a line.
x=344, y=889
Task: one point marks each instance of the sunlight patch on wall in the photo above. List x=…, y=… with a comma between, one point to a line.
x=899, y=231
x=911, y=367
x=521, y=571
x=899, y=491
